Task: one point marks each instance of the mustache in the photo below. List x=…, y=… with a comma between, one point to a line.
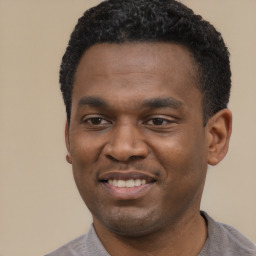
x=135, y=166
x=129, y=168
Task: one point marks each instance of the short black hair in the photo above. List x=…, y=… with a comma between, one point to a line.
x=121, y=21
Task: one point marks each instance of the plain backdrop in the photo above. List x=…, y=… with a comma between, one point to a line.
x=40, y=206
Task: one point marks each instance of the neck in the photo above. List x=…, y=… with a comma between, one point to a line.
x=185, y=237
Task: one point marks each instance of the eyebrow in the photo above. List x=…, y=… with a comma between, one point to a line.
x=162, y=102
x=98, y=102
x=92, y=101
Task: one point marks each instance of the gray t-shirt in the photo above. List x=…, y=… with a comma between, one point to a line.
x=223, y=240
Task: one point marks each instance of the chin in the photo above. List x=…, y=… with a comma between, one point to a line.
x=132, y=225
x=131, y=230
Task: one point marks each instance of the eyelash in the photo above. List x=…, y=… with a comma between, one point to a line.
x=163, y=121
x=100, y=121
x=96, y=118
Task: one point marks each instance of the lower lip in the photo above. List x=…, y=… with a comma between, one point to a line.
x=127, y=193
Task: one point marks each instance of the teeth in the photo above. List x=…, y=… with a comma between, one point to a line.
x=137, y=182
x=127, y=183
x=121, y=183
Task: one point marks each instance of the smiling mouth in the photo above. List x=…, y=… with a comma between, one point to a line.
x=130, y=183
x=127, y=180
x=127, y=185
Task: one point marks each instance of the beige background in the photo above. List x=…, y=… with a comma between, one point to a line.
x=40, y=207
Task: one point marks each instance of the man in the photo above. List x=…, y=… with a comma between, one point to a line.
x=146, y=85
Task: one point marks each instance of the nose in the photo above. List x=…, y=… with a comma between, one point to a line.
x=126, y=143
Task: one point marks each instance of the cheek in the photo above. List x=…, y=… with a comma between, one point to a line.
x=84, y=155
x=83, y=165
x=84, y=150
x=184, y=171
x=181, y=155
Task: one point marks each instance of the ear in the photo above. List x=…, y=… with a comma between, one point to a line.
x=68, y=156
x=219, y=128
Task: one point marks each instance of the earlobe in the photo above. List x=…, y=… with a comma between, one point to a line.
x=68, y=156
x=219, y=129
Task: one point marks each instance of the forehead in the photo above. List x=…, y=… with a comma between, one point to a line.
x=148, y=68
x=146, y=56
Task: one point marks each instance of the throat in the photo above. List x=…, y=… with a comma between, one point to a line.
x=172, y=242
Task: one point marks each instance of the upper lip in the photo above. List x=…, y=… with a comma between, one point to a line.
x=126, y=175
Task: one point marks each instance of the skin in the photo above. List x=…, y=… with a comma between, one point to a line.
x=136, y=110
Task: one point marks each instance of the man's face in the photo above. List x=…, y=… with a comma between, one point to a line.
x=136, y=137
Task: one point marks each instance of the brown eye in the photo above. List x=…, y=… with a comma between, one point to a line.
x=95, y=120
x=158, y=121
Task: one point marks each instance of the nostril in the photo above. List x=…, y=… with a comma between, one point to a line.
x=132, y=158
x=112, y=158
x=124, y=160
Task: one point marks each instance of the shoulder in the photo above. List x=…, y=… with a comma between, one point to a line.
x=226, y=240
x=75, y=247
x=236, y=241
x=84, y=245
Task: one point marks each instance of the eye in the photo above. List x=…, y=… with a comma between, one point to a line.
x=158, y=121
x=96, y=121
